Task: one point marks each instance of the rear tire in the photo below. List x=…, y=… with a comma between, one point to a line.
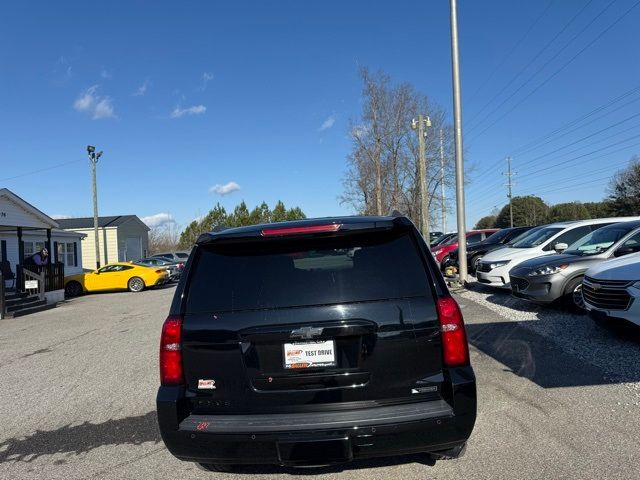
x=218, y=467
x=573, y=296
x=135, y=284
x=444, y=263
x=73, y=289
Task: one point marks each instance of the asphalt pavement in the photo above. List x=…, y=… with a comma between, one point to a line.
x=78, y=383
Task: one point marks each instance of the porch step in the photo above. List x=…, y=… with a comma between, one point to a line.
x=28, y=302
x=21, y=300
x=15, y=296
x=27, y=311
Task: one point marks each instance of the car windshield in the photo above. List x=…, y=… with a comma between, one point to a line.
x=537, y=238
x=523, y=235
x=498, y=236
x=598, y=241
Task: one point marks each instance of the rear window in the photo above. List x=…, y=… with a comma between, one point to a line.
x=277, y=274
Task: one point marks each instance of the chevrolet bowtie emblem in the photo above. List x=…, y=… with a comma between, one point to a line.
x=306, y=333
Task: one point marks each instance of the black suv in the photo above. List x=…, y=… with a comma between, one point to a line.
x=311, y=343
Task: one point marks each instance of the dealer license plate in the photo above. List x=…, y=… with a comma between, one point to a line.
x=310, y=354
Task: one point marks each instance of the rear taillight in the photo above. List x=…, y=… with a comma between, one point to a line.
x=171, y=352
x=332, y=227
x=455, y=350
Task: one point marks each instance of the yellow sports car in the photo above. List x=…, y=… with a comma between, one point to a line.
x=115, y=276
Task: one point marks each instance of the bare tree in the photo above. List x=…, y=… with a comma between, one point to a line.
x=164, y=238
x=382, y=171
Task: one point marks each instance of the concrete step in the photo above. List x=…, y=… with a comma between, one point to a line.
x=27, y=311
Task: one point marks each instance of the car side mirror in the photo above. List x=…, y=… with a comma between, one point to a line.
x=560, y=247
x=623, y=251
x=96, y=272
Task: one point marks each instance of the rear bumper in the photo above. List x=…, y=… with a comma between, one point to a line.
x=320, y=437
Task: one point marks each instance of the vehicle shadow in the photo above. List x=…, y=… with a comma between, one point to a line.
x=77, y=439
x=557, y=349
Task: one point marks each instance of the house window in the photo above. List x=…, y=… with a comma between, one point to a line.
x=31, y=248
x=66, y=254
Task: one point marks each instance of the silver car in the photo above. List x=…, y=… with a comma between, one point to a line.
x=559, y=277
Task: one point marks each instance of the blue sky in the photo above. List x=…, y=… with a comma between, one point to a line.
x=187, y=96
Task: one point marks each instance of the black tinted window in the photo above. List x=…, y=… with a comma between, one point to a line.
x=474, y=238
x=313, y=272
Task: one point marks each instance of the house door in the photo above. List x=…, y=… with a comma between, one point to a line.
x=133, y=248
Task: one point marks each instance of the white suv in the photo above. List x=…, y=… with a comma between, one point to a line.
x=611, y=290
x=494, y=267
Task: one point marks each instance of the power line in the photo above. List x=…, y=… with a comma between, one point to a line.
x=582, y=139
x=513, y=49
x=32, y=172
x=536, y=143
x=558, y=71
x=570, y=160
x=534, y=59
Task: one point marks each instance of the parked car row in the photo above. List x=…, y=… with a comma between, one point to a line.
x=441, y=252
x=576, y=263
x=133, y=276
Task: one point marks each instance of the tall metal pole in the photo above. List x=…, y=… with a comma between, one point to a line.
x=93, y=159
x=442, y=199
x=510, y=185
x=457, y=132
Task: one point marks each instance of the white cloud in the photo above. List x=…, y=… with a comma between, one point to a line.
x=104, y=73
x=225, y=189
x=141, y=90
x=59, y=216
x=328, y=123
x=104, y=109
x=158, y=219
x=206, y=78
x=90, y=102
x=193, y=110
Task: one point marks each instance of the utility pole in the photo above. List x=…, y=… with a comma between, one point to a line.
x=509, y=186
x=444, y=208
x=93, y=159
x=457, y=132
x=420, y=125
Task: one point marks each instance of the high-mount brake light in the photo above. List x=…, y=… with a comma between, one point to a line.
x=455, y=349
x=271, y=232
x=171, y=352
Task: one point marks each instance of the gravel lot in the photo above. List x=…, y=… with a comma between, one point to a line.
x=558, y=397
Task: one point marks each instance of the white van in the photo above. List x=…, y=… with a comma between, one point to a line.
x=611, y=290
x=494, y=267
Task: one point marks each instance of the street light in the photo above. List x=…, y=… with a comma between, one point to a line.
x=93, y=159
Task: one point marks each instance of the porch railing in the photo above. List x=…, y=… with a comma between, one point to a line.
x=50, y=277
